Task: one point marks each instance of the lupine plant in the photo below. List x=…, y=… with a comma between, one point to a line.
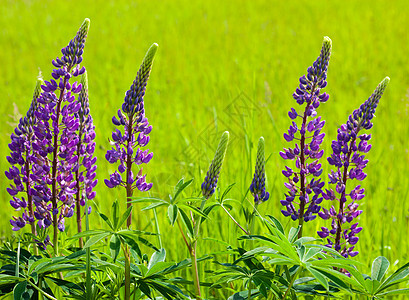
x=53, y=156
x=126, y=146
x=304, y=185
x=348, y=158
x=21, y=159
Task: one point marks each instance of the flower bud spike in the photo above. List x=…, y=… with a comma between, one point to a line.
x=210, y=182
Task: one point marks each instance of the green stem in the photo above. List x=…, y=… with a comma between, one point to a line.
x=127, y=274
x=41, y=292
x=195, y=271
x=292, y=282
x=234, y=220
x=157, y=227
x=249, y=287
x=88, y=256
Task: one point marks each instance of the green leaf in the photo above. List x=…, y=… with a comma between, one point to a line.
x=379, y=267
x=124, y=217
x=172, y=213
x=115, y=214
x=226, y=191
x=114, y=246
x=399, y=276
x=158, y=267
x=292, y=235
x=276, y=223
x=395, y=292
x=158, y=256
x=194, y=210
x=180, y=186
x=107, y=220
x=96, y=238
x=187, y=222
x=19, y=290
x=243, y=295
x=319, y=276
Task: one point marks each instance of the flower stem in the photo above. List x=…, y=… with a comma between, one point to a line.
x=234, y=220
x=341, y=203
x=78, y=193
x=195, y=271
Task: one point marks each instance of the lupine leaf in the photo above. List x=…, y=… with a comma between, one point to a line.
x=96, y=238
x=180, y=187
x=124, y=217
x=115, y=215
x=319, y=276
x=187, y=222
x=276, y=223
x=114, y=246
x=172, y=213
x=395, y=292
x=157, y=256
x=19, y=289
x=379, y=267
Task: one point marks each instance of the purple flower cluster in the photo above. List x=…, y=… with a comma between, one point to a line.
x=348, y=158
x=126, y=146
x=21, y=160
x=258, y=185
x=61, y=140
x=302, y=191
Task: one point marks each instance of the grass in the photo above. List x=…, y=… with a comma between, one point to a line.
x=216, y=58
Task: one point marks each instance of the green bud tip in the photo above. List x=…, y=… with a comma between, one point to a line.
x=84, y=80
x=85, y=26
x=150, y=55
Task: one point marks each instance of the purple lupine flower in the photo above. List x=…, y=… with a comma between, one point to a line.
x=304, y=192
x=56, y=137
x=126, y=146
x=258, y=185
x=21, y=158
x=210, y=182
x=348, y=158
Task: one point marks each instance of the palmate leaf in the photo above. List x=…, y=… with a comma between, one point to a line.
x=243, y=295
x=398, y=276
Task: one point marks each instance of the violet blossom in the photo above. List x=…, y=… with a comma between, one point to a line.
x=304, y=186
x=126, y=146
x=348, y=158
x=55, y=139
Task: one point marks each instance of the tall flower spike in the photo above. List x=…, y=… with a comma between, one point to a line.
x=126, y=146
x=304, y=195
x=348, y=158
x=210, y=182
x=86, y=172
x=21, y=159
x=258, y=185
x=56, y=137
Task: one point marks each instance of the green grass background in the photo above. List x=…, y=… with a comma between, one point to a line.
x=215, y=55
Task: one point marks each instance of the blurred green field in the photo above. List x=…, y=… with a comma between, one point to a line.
x=225, y=65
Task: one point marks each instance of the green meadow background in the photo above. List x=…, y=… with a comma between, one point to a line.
x=225, y=65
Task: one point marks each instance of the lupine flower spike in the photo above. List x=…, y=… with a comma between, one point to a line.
x=21, y=159
x=348, y=158
x=304, y=189
x=85, y=172
x=210, y=182
x=258, y=185
x=56, y=138
x=126, y=147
